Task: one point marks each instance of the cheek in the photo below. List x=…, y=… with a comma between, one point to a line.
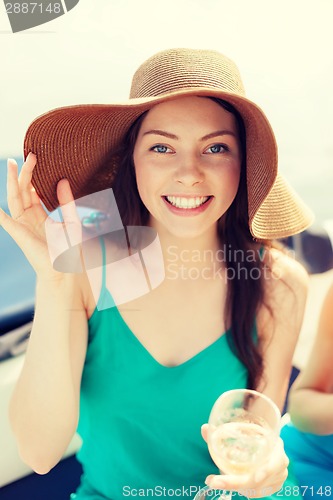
x=144, y=181
x=229, y=181
x=139, y=173
x=141, y=182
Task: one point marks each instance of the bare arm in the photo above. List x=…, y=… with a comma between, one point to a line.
x=311, y=397
x=44, y=407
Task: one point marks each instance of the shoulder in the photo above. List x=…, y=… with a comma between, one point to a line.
x=284, y=275
x=284, y=266
x=285, y=283
x=280, y=318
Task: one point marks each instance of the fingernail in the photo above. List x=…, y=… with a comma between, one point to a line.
x=217, y=484
x=209, y=479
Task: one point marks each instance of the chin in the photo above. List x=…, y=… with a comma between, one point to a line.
x=187, y=233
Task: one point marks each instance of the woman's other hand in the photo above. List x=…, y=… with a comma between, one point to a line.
x=264, y=481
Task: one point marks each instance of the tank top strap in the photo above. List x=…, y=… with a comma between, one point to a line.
x=105, y=300
x=102, y=243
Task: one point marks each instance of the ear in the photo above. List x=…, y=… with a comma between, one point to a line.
x=204, y=431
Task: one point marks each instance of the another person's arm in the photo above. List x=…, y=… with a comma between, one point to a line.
x=311, y=396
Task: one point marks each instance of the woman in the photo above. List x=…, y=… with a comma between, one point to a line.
x=189, y=157
x=310, y=440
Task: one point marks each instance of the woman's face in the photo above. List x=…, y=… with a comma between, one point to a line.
x=187, y=161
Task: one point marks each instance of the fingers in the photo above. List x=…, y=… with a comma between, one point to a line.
x=269, y=477
x=276, y=467
x=35, y=200
x=64, y=192
x=278, y=460
x=68, y=209
x=245, y=485
x=24, y=180
x=19, y=188
x=64, y=242
x=13, y=228
x=15, y=204
x=204, y=432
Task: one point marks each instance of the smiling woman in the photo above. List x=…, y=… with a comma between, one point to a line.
x=192, y=159
x=191, y=174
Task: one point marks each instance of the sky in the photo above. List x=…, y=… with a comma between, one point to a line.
x=283, y=49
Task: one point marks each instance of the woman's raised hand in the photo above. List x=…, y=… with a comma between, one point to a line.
x=38, y=235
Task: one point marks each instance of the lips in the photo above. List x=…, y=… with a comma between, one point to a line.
x=187, y=206
x=187, y=203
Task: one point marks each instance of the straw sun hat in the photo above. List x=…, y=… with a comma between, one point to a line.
x=79, y=142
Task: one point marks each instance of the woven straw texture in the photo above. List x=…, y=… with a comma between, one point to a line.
x=80, y=143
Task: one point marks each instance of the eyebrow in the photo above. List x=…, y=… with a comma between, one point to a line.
x=217, y=133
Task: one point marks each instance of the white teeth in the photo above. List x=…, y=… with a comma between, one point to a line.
x=179, y=202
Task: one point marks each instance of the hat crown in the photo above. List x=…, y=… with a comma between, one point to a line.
x=178, y=69
x=81, y=143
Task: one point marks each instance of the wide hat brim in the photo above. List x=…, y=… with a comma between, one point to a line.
x=81, y=142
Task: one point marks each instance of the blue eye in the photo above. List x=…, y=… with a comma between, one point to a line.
x=159, y=148
x=218, y=148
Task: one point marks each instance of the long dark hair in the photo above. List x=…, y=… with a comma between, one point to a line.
x=242, y=255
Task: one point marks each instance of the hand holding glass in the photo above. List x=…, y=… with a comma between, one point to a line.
x=244, y=426
x=243, y=429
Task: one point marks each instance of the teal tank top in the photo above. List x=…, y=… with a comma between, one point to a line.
x=139, y=420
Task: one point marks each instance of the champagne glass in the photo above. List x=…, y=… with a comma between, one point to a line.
x=243, y=429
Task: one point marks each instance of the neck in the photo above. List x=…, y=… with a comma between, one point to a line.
x=190, y=259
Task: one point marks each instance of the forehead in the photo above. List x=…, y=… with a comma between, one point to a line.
x=191, y=110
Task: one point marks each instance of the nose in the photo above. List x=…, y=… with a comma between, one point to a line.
x=189, y=171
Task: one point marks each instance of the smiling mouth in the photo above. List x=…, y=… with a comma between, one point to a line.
x=187, y=203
